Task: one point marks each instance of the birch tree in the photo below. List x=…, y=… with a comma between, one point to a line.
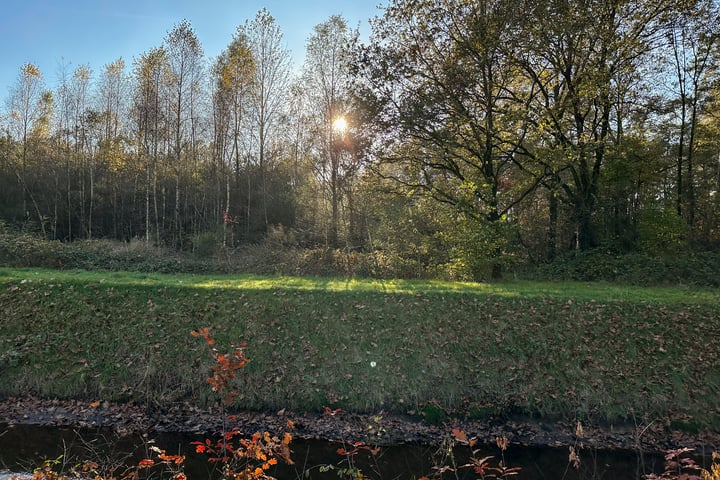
x=270, y=88
x=185, y=56
x=326, y=81
x=233, y=74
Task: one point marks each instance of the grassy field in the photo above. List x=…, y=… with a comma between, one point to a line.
x=579, y=351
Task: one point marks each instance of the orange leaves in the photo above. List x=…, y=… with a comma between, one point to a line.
x=332, y=413
x=205, y=333
x=242, y=458
x=261, y=450
x=461, y=437
x=226, y=365
x=176, y=459
x=164, y=459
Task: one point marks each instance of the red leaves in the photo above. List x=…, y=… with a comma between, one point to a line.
x=332, y=413
x=242, y=458
x=226, y=365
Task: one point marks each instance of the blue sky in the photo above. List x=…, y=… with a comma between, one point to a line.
x=97, y=32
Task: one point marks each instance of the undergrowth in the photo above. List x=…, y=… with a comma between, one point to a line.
x=277, y=257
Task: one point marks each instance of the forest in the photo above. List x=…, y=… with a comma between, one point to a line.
x=461, y=137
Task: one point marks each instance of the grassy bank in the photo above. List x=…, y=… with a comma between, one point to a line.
x=575, y=350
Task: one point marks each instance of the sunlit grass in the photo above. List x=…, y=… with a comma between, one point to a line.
x=601, y=292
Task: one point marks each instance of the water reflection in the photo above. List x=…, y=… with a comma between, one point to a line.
x=23, y=448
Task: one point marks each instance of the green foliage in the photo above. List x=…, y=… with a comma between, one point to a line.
x=633, y=269
x=661, y=232
x=434, y=414
x=206, y=245
x=477, y=249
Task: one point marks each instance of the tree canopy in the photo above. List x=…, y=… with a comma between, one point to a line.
x=475, y=133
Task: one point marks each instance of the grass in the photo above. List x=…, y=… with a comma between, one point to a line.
x=572, y=350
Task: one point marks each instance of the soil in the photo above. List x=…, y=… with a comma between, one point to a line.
x=380, y=428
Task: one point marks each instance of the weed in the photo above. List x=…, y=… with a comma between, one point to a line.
x=482, y=467
x=347, y=467
x=679, y=466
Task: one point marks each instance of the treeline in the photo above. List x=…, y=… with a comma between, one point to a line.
x=460, y=138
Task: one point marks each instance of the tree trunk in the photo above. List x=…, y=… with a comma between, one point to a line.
x=552, y=225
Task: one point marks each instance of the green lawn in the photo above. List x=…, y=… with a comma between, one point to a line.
x=602, y=351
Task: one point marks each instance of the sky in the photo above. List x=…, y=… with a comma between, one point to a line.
x=53, y=33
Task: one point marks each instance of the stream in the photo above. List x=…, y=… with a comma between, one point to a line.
x=24, y=447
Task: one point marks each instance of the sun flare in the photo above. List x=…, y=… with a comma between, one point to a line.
x=340, y=125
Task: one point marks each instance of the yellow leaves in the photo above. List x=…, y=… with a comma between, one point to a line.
x=30, y=70
x=502, y=443
x=579, y=430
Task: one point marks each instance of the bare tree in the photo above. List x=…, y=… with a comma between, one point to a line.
x=693, y=42
x=151, y=76
x=185, y=57
x=233, y=73
x=26, y=113
x=271, y=83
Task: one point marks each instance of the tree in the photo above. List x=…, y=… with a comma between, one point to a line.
x=184, y=55
x=270, y=87
x=152, y=71
x=326, y=79
x=31, y=108
x=575, y=55
x=692, y=44
x=439, y=80
x=233, y=73
x=25, y=109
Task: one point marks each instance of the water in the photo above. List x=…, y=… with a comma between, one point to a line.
x=23, y=448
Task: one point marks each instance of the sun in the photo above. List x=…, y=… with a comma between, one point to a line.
x=340, y=125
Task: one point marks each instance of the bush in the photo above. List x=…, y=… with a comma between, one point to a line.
x=634, y=269
x=661, y=232
x=278, y=256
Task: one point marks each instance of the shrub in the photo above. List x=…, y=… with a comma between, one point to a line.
x=633, y=269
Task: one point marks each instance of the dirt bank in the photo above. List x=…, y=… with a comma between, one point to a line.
x=377, y=428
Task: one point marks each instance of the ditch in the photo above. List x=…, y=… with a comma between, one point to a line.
x=25, y=447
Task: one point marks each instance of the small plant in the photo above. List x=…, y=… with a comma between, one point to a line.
x=347, y=468
x=482, y=467
x=241, y=458
x=166, y=464
x=679, y=466
x=155, y=465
